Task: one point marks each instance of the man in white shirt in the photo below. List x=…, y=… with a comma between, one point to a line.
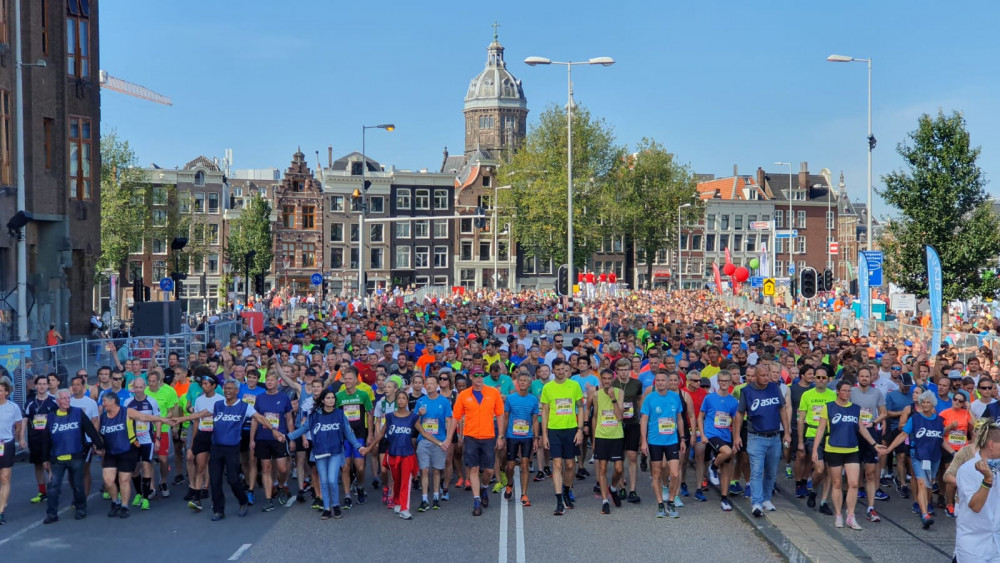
x=978, y=407
x=80, y=398
x=978, y=509
x=884, y=382
x=558, y=347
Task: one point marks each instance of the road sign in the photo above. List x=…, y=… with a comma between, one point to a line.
x=756, y=281
x=167, y=284
x=874, y=259
x=768, y=286
x=791, y=269
x=316, y=279
x=760, y=225
x=834, y=248
x=794, y=233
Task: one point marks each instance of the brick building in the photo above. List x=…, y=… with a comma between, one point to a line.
x=298, y=235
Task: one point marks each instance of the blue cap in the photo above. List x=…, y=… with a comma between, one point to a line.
x=439, y=349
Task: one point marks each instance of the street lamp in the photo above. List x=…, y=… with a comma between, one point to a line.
x=680, y=275
x=871, y=138
x=496, y=247
x=286, y=262
x=791, y=223
x=360, y=194
x=603, y=61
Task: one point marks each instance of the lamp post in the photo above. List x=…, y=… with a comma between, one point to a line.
x=871, y=138
x=360, y=194
x=791, y=223
x=603, y=61
x=286, y=262
x=680, y=275
x=496, y=247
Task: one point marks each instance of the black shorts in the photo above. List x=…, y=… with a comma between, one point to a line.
x=839, y=460
x=38, y=450
x=716, y=444
x=7, y=459
x=124, y=462
x=947, y=457
x=809, y=449
x=609, y=449
x=901, y=449
x=794, y=444
x=478, y=452
x=866, y=453
x=270, y=449
x=202, y=443
x=561, y=443
x=145, y=452
x=664, y=453
x=518, y=448
x=245, y=440
x=383, y=445
x=300, y=445
x=633, y=437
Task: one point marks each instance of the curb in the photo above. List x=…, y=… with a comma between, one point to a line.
x=769, y=532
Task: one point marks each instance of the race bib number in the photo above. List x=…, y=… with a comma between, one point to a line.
x=608, y=418
x=38, y=421
x=430, y=425
x=206, y=424
x=866, y=417
x=564, y=406
x=352, y=412
x=723, y=420
x=628, y=409
x=667, y=426
x=816, y=414
x=141, y=427
x=250, y=399
x=2, y=445
x=272, y=419
x=521, y=427
x=957, y=438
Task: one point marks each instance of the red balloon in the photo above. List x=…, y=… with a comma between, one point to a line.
x=728, y=269
x=742, y=274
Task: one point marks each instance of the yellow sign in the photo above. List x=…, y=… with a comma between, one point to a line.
x=769, y=287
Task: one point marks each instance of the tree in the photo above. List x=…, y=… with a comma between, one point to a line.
x=643, y=198
x=943, y=203
x=252, y=231
x=535, y=204
x=122, y=222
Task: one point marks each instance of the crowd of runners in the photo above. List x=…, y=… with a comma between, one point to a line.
x=644, y=395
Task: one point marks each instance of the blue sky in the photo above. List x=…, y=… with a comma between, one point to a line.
x=718, y=83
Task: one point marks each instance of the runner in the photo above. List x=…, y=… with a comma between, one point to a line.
x=522, y=434
x=249, y=391
x=121, y=455
x=201, y=441
x=10, y=432
x=436, y=428
x=810, y=410
x=478, y=409
x=873, y=413
x=926, y=432
x=631, y=405
x=562, y=430
x=801, y=467
x=276, y=407
x=958, y=429
x=67, y=426
x=81, y=400
x=166, y=399
x=147, y=438
x=661, y=425
x=37, y=412
x=763, y=407
x=357, y=407
x=719, y=409
x=609, y=437
x=401, y=430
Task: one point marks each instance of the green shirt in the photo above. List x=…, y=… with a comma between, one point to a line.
x=606, y=424
x=813, y=404
x=562, y=399
x=166, y=399
x=355, y=406
x=505, y=384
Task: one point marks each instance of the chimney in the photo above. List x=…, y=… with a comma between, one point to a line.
x=760, y=177
x=329, y=156
x=804, y=177
x=736, y=170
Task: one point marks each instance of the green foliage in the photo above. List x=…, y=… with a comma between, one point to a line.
x=536, y=204
x=252, y=231
x=122, y=222
x=943, y=202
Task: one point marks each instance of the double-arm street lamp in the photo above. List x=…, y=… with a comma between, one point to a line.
x=359, y=194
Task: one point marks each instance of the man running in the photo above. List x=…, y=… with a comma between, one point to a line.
x=37, y=413
x=631, y=405
x=609, y=437
x=522, y=434
x=81, y=400
x=562, y=430
x=718, y=410
x=873, y=412
x=166, y=399
x=357, y=405
x=277, y=410
x=810, y=412
x=120, y=456
x=148, y=438
x=661, y=426
x=436, y=428
x=478, y=409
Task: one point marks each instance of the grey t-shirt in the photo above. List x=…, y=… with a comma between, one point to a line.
x=870, y=402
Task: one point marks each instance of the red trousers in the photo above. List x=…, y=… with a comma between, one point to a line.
x=403, y=469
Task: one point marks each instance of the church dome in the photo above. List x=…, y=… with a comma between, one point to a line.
x=495, y=86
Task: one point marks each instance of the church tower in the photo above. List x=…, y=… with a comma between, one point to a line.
x=496, y=110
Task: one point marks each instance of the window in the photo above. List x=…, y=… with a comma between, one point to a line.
x=403, y=199
x=528, y=264
x=308, y=216
x=213, y=264
x=199, y=178
x=184, y=203
x=422, y=257
x=738, y=243
x=422, y=281
x=159, y=217
x=779, y=219
x=336, y=258
x=723, y=242
x=376, y=204
x=136, y=247
x=465, y=250
x=308, y=255
x=80, y=143
x=440, y=256
x=750, y=220
x=199, y=203
x=288, y=216
x=467, y=278
x=779, y=246
x=751, y=243
x=779, y=267
x=422, y=199
x=709, y=243
x=159, y=195
x=802, y=219
x=354, y=258
x=159, y=246
x=356, y=204
x=640, y=254
x=829, y=221
x=764, y=241
x=440, y=228
x=800, y=245
x=618, y=243
x=484, y=250
x=440, y=199
x=134, y=269
x=545, y=266
x=738, y=222
x=375, y=233
x=78, y=44
x=213, y=203
x=441, y=280
x=661, y=257
x=337, y=203
x=403, y=257
x=337, y=232
x=354, y=232
x=502, y=251
x=421, y=229
x=684, y=242
x=725, y=223
x=487, y=181
x=159, y=270
x=198, y=232
x=465, y=226
x=695, y=242
x=486, y=122
x=44, y=8
x=213, y=233
x=710, y=222
x=403, y=230
x=287, y=255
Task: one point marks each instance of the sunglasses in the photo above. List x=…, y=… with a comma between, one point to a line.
x=986, y=388
x=120, y=378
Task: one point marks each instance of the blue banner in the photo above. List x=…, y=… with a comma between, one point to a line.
x=934, y=288
x=864, y=293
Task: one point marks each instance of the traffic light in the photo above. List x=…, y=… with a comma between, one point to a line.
x=137, y=292
x=562, y=280
x=828, y=279
x=258, y=283
x=367, y=185
x=809, y=283
x=819, y=283
x=480, y=221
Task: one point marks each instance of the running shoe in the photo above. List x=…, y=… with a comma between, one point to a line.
x=217, y=516
x=107, y=496
x=616, y=497
x=872, y=515
x=862, y=494
x=445, y=495
x=436, y=505
x=881, y=495
x=178, y=480
x=570, y=496
x=677, y=501
x=317, y=503
x=713, y=475
x=560, y=509
x=124, y=512
x=477, y=509
x=605, y=507
x=726, y=507
x=137, y=500
x=115, y=509
x=904, y=492
x=458, y=484
x=824, y=508
x=811, y=501
x=484, y=497
x=768, y=506
x=801, y=492
x=144, y=504
x=268, y=506
x=40, y=497
x=508, y=492
x=926, y=520
x=684, y=490
x=757, y=510
x=633, y=498
x=839, y=521
x=585, y=472
x=348, y=503
x=886, y=481
x=661, y=511
x=498, y=487
x=734, y=486
x=193, y=505
x=672, y=510
x=164, y=491
x=525, y=501
x=250, y=498
x=300, y=496
x=424, y=507
x=700, y=496
x=950, y=510
x=405, y=515
x=548, y=471
x=337, y=513
x=540, y=476
x=568, y=500
x=385, y=495
x=326, y=515
x=362, y=495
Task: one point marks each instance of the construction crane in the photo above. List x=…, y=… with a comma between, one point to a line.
x=118, y=85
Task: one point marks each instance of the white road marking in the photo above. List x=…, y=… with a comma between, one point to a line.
x=503, y=528
x=519, y=513
x=243, y=548
x=38, y=523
